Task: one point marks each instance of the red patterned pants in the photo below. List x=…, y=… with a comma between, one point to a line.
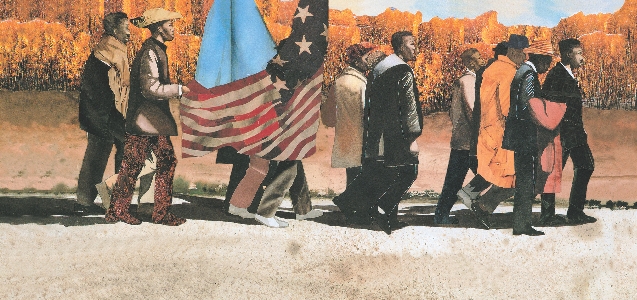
x=136, y=150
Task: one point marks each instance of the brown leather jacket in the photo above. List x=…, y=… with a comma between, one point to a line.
x=150, y=89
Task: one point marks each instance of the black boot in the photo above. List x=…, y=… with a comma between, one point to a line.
x=444, y=219
x=548, y=216
x=548, y=207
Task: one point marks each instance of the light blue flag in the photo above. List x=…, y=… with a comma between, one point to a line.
x=235, y=43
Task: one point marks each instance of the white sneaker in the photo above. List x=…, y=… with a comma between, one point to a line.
x=105, y=194
x=282, y=224
x=241, y=212
x=315, y=213
x=270, y=222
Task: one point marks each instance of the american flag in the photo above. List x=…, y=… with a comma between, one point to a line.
x=272, y=114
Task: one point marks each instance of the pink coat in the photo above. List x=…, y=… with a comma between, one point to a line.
x=549, y=115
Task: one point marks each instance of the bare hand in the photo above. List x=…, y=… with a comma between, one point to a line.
x=184, y=90
x=414, y=147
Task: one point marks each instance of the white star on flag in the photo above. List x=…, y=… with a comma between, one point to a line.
x=324, y=31
x=303, y=13
x=304, y=46
x=280, y=84
x=277, y=60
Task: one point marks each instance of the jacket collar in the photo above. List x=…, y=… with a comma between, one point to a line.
x=387, y=63
x=505, y=59
x=570, y=72
x=532, y=65
x=354, y=72
x=158, y=43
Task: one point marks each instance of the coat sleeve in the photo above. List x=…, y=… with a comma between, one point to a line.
x=151, y=87
x=328, y=109
x=96, y=98
x=546, y=113
x=409, y=119
x=557, y=89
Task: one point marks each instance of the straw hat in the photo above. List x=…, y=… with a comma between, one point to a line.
x=153, y=16
x=543, y=47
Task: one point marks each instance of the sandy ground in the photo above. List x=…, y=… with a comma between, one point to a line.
x=213, y=256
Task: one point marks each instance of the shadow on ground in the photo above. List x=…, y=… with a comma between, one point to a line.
x=50, y=209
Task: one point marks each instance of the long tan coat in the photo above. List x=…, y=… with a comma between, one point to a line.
x=494, y=163
x=343, y=110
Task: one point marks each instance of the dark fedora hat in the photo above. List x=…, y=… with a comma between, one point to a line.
x=517, y=41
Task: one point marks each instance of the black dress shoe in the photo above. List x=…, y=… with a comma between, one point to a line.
x=92, y=209
x=446, y=220
x=358, y=218
x=383, y=222
x=530, y=231
x=554, y=220
x=580, y=218
x=481, y=215
x=395, y=224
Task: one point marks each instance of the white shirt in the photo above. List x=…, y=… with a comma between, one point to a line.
x=532, y=65
x=568, y=69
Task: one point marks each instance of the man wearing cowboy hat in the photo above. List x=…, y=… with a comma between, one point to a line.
x=149, y=122
x=527, y=133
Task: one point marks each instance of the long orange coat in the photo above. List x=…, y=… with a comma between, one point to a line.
x=494, y=163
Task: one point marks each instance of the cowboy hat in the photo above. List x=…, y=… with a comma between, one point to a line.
x=543, y=47
x=517, y=41
x=153, y=16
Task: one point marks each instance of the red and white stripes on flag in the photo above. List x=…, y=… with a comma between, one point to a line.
x=247, y=114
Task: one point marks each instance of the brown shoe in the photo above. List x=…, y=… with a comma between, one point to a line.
x=170, y=220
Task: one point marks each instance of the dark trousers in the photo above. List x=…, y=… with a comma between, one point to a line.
x=583, y=167
x=459, y=164
x=351, y=173
x=525, y=166
x=402, y=179
x=135, y=153
x=377, y=186
x=94, y=163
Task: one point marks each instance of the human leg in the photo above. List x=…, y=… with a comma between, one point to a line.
x=93, y=166
x=583, y=167
x=457, y=168
x=164, y=175
x=135, y=151
x=280, y=184
x=403, y=179
x=525, y=164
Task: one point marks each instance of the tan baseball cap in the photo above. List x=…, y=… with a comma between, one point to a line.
x=153, y=16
